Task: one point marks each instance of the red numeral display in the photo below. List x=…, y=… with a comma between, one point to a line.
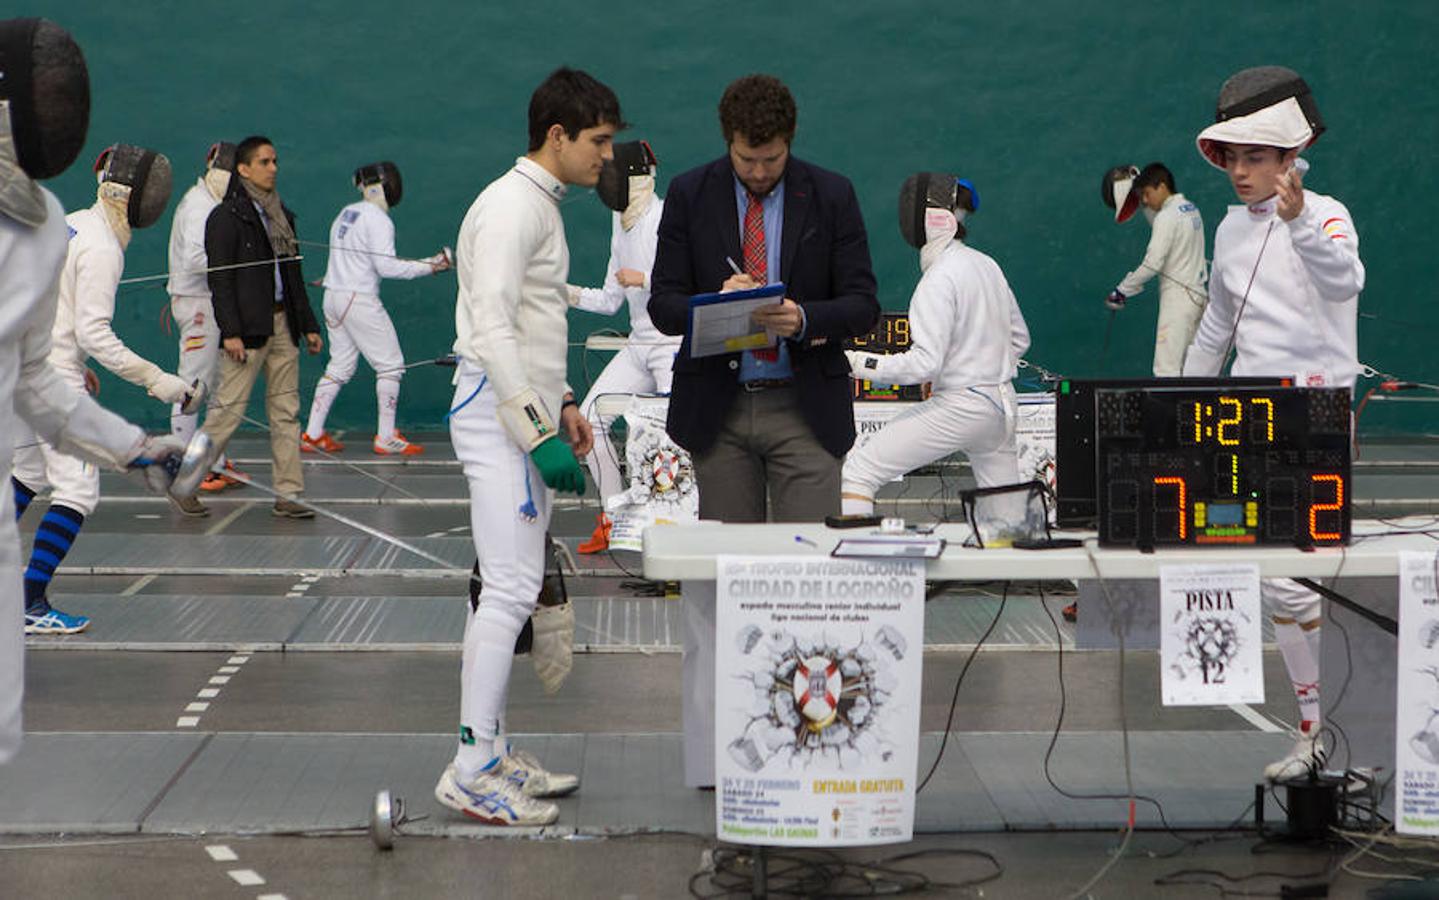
x=1316, y=508
x=1182, y=490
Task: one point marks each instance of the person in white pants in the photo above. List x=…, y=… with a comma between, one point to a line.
x=362, y=251
x=967, y=335
x=1284, y=293
x=134, y=186
x=1175, y=254
x=39, y=141
x=646, y=363
x=190, y=306
x=512, y=342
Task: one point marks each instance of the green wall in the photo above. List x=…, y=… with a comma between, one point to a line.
x=1031, y=100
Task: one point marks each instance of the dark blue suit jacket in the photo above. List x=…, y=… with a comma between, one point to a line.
x=824, y=264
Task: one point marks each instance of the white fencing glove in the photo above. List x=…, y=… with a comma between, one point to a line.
x=553, y=648
x=168, y=388
x=158, y=460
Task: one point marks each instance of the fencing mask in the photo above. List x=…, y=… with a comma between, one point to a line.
x=44, y=111
x=146, y=174
x=1268, y=105
x=1117, y=191
x=931, y=207
x=628, y=180
x=380, y=181
x=219, y=167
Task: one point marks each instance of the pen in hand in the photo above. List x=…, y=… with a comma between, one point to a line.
x=734, y=267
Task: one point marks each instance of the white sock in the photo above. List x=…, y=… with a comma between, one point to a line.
x=484, y=684
x=325, y=393
x=387, y=390
x=1302, y=661
x=853, y=506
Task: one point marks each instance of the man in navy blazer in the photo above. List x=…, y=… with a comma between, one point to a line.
x=765, y=425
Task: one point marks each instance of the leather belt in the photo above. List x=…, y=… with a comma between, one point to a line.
x=765, y=384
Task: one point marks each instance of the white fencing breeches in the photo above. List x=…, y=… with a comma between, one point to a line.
x=72, y=482
x=509, y=514
x=358, y=326
x=199, y=355
x=12, y=636
x=637, y=369
x=978, y=421
x=1179, y=316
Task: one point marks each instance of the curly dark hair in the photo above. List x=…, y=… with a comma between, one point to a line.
x=760, y=108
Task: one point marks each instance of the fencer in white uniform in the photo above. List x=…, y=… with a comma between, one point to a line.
x=510, y=393
x=37, y=143
x=1284, y=293
x=188, y=285
x=1175, y=255
x=646, y=363
x=967, y=336
x=134, y=187
x=362, y=251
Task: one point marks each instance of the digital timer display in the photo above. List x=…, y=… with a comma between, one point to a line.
x=890, y=335
x=1229, y=465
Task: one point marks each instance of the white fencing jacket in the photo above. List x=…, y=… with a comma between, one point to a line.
x=1301, y=316
x=1175, y=254
x=30, y=387
x=187, y=243
x=965, y=328
x=362, y=251
x=633, y=249
x=511, y=312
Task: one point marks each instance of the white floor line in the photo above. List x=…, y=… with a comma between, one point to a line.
x=221, y=853
x=224, y=523
x=246, y=877
x=1255, y=718
x=138, y=585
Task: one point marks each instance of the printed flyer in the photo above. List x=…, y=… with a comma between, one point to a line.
x=1210, y=637
x=1416, y=726
x=662, y=487
x=818, y=667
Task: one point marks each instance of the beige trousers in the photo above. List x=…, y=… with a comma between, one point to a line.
x=280, y=360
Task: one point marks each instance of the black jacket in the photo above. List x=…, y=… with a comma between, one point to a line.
x=244, y=298
x=824, y=264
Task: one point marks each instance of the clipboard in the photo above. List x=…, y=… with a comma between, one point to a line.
x=720, y=322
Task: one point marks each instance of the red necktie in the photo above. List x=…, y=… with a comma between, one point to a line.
x=756, y=263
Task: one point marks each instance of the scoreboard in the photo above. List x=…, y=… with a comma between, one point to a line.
x=1223, y=465
x=890, y=335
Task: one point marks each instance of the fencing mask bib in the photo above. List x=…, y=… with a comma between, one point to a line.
x=931, y=206
x=1270, y=106
x=144, y=172
x=380, y=182
x=219, y=167
x=44, y=112
x=627, y=182
x=1117, y=191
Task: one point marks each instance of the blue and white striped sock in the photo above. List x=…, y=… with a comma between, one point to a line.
x=53, y=539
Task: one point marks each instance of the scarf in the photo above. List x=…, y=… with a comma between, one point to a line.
x=282, y=236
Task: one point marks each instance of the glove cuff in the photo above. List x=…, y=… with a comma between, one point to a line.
x=525, y=418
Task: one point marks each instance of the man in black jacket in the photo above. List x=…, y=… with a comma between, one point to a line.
x=261, y=311
x=765, y=425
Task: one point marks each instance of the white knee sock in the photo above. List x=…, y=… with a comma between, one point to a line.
x=484, y=685
x=387, y=392
x=325, y=393
x=850, y=505
x=1299, y=649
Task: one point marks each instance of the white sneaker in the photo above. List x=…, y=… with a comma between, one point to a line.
x=493, y=799
x=1307, y=754
x=524, y=770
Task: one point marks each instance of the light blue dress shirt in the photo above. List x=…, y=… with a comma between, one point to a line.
x=751, y=368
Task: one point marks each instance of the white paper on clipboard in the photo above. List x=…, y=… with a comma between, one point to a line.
x=720, y=323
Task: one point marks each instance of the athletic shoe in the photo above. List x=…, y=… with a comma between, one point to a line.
x=524, y=770
x=322, y=444
x=191, y=506
x=396, y=445
x=1307, y=754
x=599, y=541
x=493, y=799
x=219, y=481
x=1071, y=612
x=289, y=509
x=53, y=621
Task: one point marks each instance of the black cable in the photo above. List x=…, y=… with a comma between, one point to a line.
x=822, y=873
x=954, y=700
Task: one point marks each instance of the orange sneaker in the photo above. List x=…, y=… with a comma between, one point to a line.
x=599, y=542
x=322, y=444
x=396, y=445
x=219, y=481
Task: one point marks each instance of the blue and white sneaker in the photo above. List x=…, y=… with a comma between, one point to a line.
x=53, y=621
x=536, y=781
x=493, y=799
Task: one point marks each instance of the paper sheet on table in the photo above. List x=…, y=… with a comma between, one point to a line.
x=720, y=323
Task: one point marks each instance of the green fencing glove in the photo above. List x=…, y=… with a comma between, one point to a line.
x=558, y=466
